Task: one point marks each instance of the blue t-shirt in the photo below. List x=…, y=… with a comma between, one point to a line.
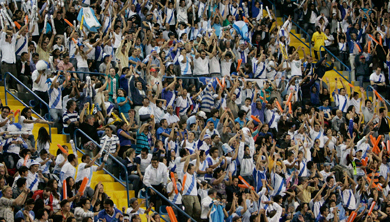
x=238, y=120
x=162, y=130
x=214, y=121
x=124, y=83
x=325, y=109
x=20, y=214
x=217, y=28
x=126, y=107
x=103, y=215
x=123, y=140
x=131, y=58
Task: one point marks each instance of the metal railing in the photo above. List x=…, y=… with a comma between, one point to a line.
x=302, y=30
x=166, y=199
x=24, y=104
x=347, y=68
x=125, y=184
x=370, y=88
x=89, y=73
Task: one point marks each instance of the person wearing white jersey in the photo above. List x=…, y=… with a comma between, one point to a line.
x=33, y=177
x=296, y=63
x=317, y=130
x=69, y=168
x=55, y=96
x=341, y=98
x=22, y=41
x=186, y=64
x=377, y=80
x=277, y=177
x=272, y=117
x=260, y=68
x=86, y=169
x=190, y=192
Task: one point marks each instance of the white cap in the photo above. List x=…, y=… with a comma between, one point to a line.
x=33, y=162
x=202, y=114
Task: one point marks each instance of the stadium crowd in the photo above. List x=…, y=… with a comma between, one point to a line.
x=206, y=101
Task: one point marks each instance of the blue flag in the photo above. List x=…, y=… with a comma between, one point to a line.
x=217, y=214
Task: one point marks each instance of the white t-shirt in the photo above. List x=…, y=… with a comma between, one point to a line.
x=139, y=211
x=26, y=126
x=85, y=172
x=81, y=62
x=175, y=198
x=118, y=39
x=355, y=103
x=296, y=69
x=215, y=67
x=225, y=67
x=67, y=170
x=201, y=66
x=206, y=202
x=60, y=158
x=377, y=78
x=5, y=127
x=41, y=85
x=144, y=163
x=149, y=110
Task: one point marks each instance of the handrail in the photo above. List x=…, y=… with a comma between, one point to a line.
x=308, y=46
x=327, y=50
x=170, y=202
x=300, y=28
x=89, y=73
x=15, y=97
x=372, y=89
x=116, y=160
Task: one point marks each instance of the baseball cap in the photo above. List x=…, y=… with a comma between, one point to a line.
x=32, y=163
x=207, y=136
x=362, y=57
x=258, y=100
x=152, y=69
x=202, y=114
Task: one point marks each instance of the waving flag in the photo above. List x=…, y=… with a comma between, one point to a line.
x=216, y=214
x=90, y=20
x=206, y=80
x=242, y=29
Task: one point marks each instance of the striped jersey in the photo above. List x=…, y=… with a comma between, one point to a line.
x=207, y=98
x=55, y=97
x=111, y=141
x=73, y=117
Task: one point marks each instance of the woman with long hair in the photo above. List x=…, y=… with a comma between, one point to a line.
x=101, y=197
x=27, y=121
x=53, y=184
x=43, y=140
x=82, y=59
x=71, y=191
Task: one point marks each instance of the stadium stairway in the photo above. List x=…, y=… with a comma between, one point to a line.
x=115, y=190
